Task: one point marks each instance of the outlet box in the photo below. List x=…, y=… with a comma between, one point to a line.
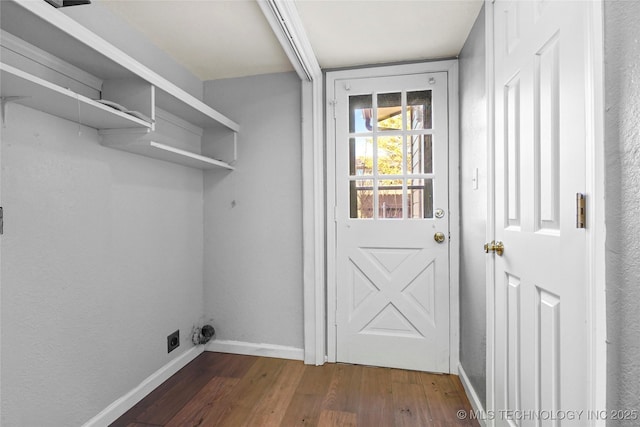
x=173, y=341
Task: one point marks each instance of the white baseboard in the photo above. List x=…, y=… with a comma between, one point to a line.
x=126, y=402
x=472, y=395
x=251, y=349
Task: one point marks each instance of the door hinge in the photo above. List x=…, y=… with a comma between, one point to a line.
x=333, y=103
x=335, y=214
x=1, y=220
x=581, y=205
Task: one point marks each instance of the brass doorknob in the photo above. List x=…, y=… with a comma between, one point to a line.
x=497, y=247
x=438, y=237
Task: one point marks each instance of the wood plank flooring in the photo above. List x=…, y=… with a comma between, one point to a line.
x=218, y=389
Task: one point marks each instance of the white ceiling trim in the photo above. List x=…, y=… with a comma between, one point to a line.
x=286, y=24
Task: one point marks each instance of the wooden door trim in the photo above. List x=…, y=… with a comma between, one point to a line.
x=451, y=68
x=595, y=175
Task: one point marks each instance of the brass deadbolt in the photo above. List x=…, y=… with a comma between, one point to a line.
x=497, y=247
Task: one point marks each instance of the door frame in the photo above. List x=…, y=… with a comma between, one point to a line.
x=451, y=68
x=594, y=185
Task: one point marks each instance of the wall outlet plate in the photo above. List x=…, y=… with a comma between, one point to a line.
x=173, y=341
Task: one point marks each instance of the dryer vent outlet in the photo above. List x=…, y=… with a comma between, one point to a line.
x=173, y=341
x=203, y=335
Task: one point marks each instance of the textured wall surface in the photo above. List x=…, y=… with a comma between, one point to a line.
x=622, y=136
x=473, y=207
x=102, y=259
x=253, y=215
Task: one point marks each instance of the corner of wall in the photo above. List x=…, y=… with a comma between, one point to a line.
x=473, y=212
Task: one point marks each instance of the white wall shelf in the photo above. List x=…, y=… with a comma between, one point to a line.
x=34, y=92
x=172, y=140
x=44, y=26
x=171, y=154
x=75, y=47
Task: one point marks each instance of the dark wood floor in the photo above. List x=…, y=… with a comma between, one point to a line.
x=219, y=389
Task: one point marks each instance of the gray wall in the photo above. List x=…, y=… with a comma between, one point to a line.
x=101, y=260
x=473, y=207
x=622, y=136
x=253, y=215
x=102, y=256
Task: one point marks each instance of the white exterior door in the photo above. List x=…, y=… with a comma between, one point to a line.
x=391, y=167
x=541, y=323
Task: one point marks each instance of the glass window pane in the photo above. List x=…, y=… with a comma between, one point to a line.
x=420, y=154
x=390, y=198
x=389, y=111
x=420, y=198
x=360, y=108
x=390, y=155
x=360, y=156
x=419, y=110
x=361, y=198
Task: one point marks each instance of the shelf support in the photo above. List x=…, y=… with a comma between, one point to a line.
x=235, y=149
x=4, y=100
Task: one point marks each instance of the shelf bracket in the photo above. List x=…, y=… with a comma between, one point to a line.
x=235, y=149
x=4, y=100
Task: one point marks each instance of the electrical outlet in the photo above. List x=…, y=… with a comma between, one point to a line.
x=173, y=341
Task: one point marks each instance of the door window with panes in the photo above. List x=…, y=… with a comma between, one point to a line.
x=391, y=155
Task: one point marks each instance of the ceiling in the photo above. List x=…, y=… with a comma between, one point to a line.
x=231, y=38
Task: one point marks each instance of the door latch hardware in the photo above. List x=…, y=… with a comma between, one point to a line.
x=438, y=237
x=497, y=247
x=1, y=220
x=581, y=207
